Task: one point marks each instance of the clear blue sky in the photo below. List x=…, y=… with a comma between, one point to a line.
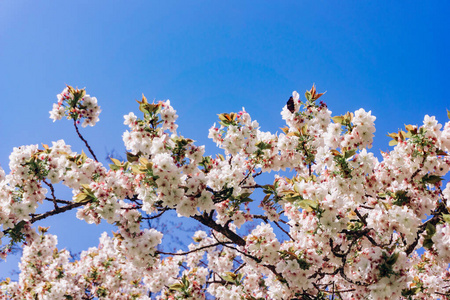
x=209, y=57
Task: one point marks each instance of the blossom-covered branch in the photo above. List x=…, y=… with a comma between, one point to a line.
x=345, y=225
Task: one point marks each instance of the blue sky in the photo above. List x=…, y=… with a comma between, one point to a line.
x=210, y=57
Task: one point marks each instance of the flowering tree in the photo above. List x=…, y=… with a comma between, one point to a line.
x=345, y=226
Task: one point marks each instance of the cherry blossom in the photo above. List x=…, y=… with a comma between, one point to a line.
x=342, y=224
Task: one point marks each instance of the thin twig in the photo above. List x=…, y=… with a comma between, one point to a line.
x=156, y=216
x=240, y=267
x=282, y=229
x=52, y=191
x=85, y=142
x=58, y=200
x=195, y=250
x=252, y=186
x=57, y=211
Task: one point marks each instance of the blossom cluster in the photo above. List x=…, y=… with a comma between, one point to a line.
x=347, y=224
x=76, y=104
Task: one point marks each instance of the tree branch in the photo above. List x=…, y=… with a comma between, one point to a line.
x=85, y=142
x=208, y=221
x=195, y=250
x=57, y=211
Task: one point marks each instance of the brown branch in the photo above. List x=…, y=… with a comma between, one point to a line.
x=252, y=186
x=335, y=249
x=208, y=221
x=245, y=178
x=240, y=267
x=156, y=216
x=262, y=217
x=58, y=200
x=248, y=175
x=338, y=291
x=362, y=218
x=192, y=251
x=434, y=220
x=343, y=255
x=282, y=229
x=85, y=142
x=218, y=281
x=283, y=221
x=57, y=211
x=52, y=190
x=237, y=250
x=367, y=207
x=257, y=174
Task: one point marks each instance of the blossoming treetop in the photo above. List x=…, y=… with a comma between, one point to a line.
x=347, y=226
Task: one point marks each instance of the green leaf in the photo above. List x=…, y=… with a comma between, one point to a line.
x=350, y=153
x=338, y=119
x=431, y=179
x=137, y=169
x=131, y=157
x=446, y=218
x=246, y=200
x=82, y=93
x=410, y=292
x=304, y=265
x=293, y=198
x=184, y=281
x=228, y=278
x=176, y=287
x=448, y=113
x=85, y=186
x=114, y=167
x=431, y=229
x=263, y=146
x=392, y=259
x=268, y=189
x=80, y=197
x=393, y=143
x=116, y=161
x=245, y=195
x=307, y=204
x=427, y=243
x=382, y=195
x=144, y=107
